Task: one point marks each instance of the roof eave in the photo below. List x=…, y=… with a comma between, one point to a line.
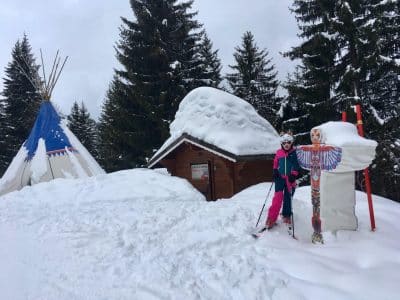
x=209, y=147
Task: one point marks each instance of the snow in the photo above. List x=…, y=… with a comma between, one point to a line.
x=376, y=115
x=370, y=22
x=347, y=5
x=329, y=36
x=39, y=162
x=343, y=134
x=387, y=59
x=357, y=152
x=93, y=166
x=14, y=167
x=223, y=120
x=76, y=165
x=174, y=64
x=139, y=234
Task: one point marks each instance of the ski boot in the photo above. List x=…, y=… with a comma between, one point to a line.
x=288, y=222
x=317, y=238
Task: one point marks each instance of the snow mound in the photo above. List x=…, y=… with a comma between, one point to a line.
x=138, y=234
x=225, y=121
x=344, y=134
x=357, y=152
x=136, y=184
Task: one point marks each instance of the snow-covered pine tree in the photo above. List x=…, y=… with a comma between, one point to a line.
x=294, y=111
x=382, y=81
x=20, y=102
x=210, y=63
x=381, y=93
x=310, y=89
x=366, y=37
x=385, y=169
x=3, y=154
x=367, y=72
x=350, y=66
x=157, y=52
x=254, y=78
x=83, y=126
x=362, y=36
x=186, y=34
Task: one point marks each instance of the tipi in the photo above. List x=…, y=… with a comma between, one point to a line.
x=51, y=150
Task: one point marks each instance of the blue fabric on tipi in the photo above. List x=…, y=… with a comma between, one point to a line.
x=47, y=126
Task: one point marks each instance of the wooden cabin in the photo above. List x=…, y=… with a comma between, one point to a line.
x=212, y=170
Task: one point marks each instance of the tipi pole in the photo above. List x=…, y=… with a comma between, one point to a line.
x=52, y=68
x=58, y=75
x=44, y=72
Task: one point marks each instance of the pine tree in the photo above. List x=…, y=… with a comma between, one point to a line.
x=3, y=154
x=187, y=34
x=311, y=88
x=210, y=63
x=382, y=81
x=353, y=47
x=83, y=126
x=296, y=115
x=368, y=73
x=367, y=48
x=381, y=95
x=254, y=79
x=110, y=131
x=158, y=54
x=21, y=100
x=122, y=134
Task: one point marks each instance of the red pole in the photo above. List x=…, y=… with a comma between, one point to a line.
x=344, y=116
x=366, y=172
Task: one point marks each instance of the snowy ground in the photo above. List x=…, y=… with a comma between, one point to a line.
x=139, y=234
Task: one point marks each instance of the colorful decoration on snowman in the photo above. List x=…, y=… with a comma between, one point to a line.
x=317, y=157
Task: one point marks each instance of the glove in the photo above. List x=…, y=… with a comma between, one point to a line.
x=276, y=174
x=292, y=178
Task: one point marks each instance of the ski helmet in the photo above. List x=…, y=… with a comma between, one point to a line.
x=286, y=138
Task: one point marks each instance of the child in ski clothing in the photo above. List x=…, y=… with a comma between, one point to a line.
x=285, y=170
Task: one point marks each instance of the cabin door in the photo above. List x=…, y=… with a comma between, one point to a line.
x=203, y=178
x=211, y=181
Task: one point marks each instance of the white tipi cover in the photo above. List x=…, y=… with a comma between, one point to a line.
x=51, y=151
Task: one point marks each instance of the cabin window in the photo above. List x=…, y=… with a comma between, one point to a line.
x=199, y=171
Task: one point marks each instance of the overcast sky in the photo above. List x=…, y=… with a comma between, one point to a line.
x=87, y=30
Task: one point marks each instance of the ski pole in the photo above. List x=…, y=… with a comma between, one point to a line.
x=266, y=198
x=291, y=206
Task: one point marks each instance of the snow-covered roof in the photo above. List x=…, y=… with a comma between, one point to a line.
x=222, y=120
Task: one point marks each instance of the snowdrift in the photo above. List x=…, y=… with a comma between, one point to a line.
x=139, y=234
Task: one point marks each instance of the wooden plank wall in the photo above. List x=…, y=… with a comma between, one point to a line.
x=252, y=172
x=179, y=164
x=229, y=177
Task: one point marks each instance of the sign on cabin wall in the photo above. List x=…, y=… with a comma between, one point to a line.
x=199, y=171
